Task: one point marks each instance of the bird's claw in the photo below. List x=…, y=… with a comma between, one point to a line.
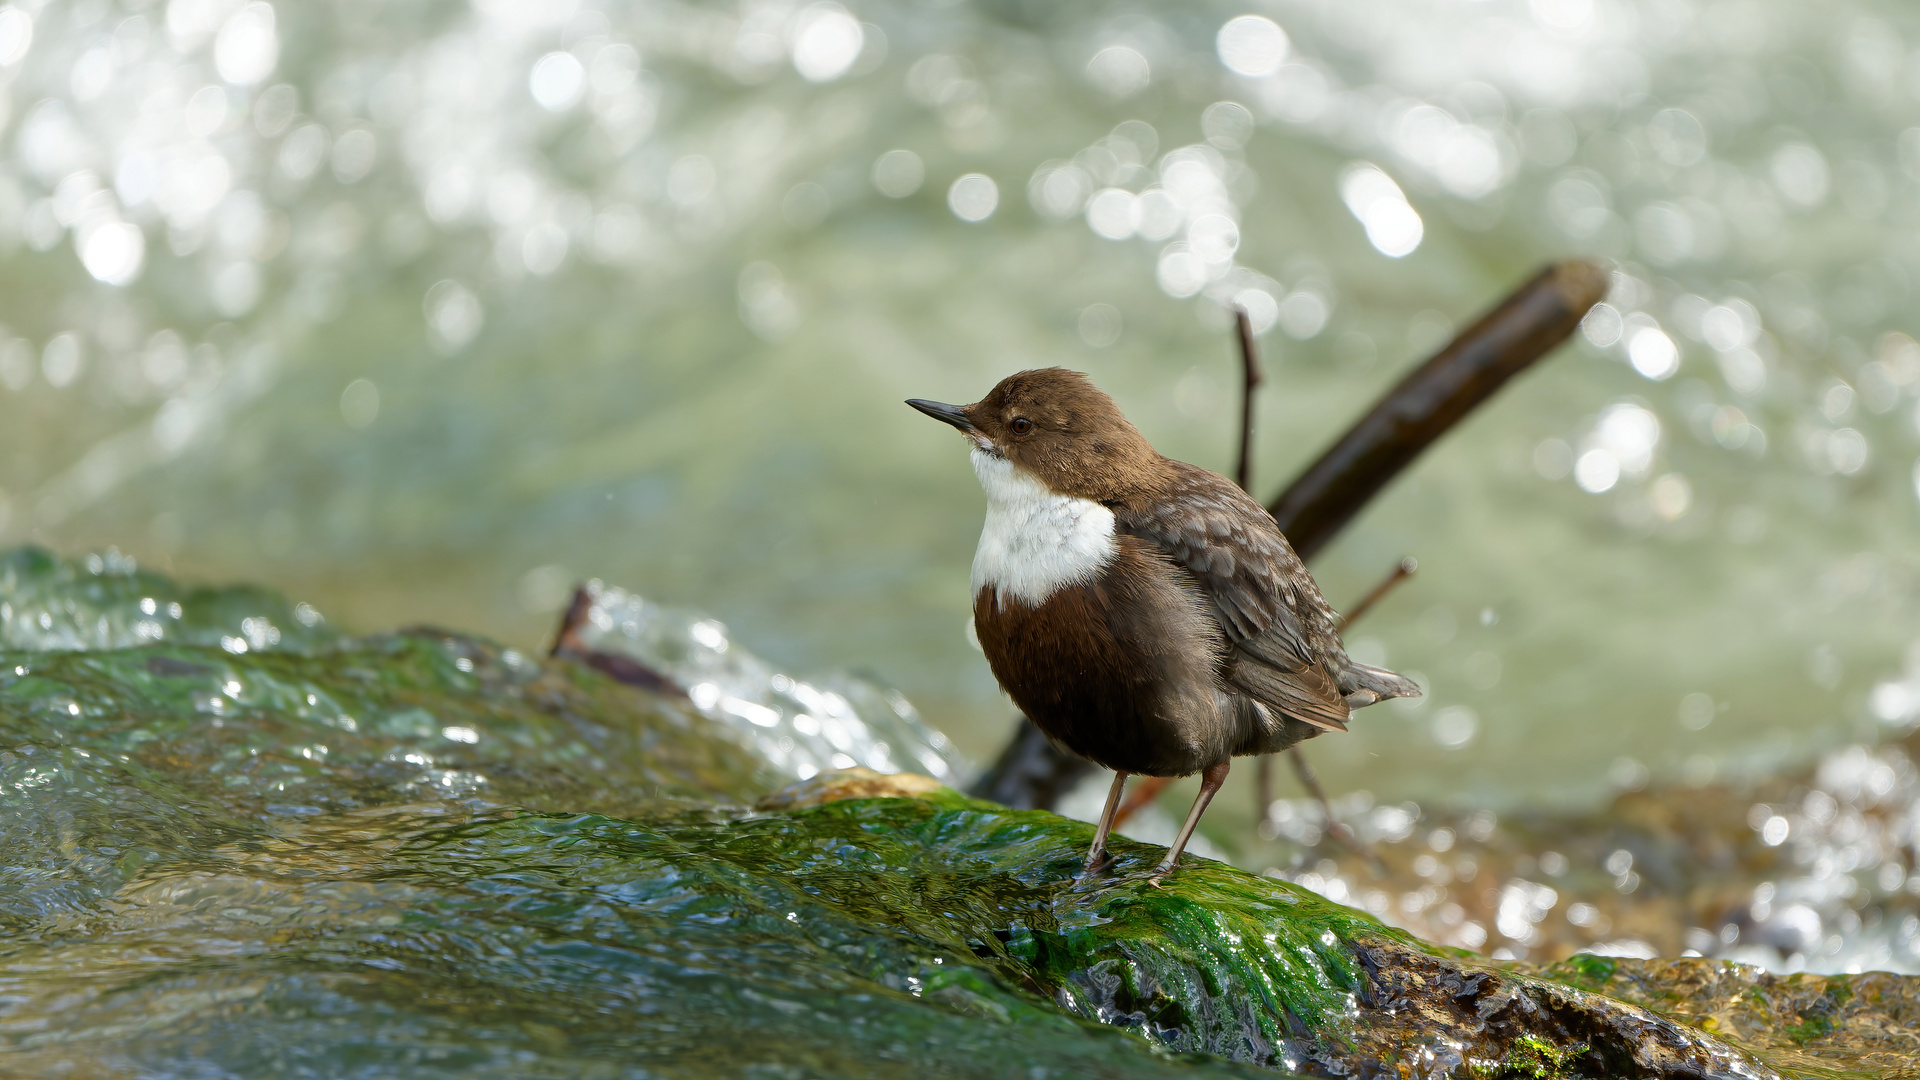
x=1095, y=864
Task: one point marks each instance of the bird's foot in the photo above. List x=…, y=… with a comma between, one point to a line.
x=1096, y=863
x=1159, y=872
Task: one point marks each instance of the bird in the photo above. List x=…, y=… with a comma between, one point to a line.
x=1144, y=613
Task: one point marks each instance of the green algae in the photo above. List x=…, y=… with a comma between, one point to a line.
x=1587, y=971
x=528, y=946
x=1533, y=1058
x=1215, y=961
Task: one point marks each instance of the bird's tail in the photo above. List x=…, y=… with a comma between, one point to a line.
x=1364, y=684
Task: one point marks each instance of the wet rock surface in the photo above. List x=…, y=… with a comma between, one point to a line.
x=1803, y=1024
x=420, y=854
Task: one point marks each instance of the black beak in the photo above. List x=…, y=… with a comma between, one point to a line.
x=952, y=414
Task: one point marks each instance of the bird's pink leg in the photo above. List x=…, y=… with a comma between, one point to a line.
x=1097, y=855
x=1210, y=781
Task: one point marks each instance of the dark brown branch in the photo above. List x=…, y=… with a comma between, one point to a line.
x=1408, y=419
x=1434, y=397
x=1031, y=772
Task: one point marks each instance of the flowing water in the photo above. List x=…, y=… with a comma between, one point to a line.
x=426, y=310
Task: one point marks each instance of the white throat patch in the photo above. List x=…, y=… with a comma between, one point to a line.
x=1035, y=541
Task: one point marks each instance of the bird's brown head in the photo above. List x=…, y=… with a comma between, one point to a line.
x=1059, y=427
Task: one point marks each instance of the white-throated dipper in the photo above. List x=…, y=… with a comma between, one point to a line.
x=1144, y=613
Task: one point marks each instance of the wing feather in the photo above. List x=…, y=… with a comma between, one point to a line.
x=1279, y=629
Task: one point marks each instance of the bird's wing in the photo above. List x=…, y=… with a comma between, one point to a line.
x=1256, y=587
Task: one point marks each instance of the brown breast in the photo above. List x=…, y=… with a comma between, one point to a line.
x=1123, y=670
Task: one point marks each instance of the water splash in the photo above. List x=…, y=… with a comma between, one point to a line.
x=105, y=601
x=801, y=726
x=1811, y=871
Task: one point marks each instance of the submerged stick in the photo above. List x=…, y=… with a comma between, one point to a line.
x=568, y=646
x=1404, y=422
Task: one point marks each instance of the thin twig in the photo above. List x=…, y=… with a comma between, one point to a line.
x=1249, y=382
x=1402, y=570
x=1337, y=830
x=1243, y=475
x=1148, y=788
x=1263, y=786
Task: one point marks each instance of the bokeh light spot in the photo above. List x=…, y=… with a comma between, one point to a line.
x=353, y=155
x=1671, y=495
x=16, y=35
x=1393, y=227
x=1800, y=173
x=1304, y=313
x=1180, y=272
x=1227, y=125
x=1252, y=45
x=556, y=81
x=1596, y=471
x=1110, y=213
x=1697, y=711
x=826, y=42
x=973, y=197
x=247, y=47
x=1602, y=325
x=62, y=360
x=1263, y=311
x=898, y=173
x=113, y=252
x=1099, y=325
x=1455, y=726
x=1653, y=353
x=454, y=315
x=1120, y=71
x=360, y=403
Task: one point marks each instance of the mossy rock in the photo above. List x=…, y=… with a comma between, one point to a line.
x=423, y=855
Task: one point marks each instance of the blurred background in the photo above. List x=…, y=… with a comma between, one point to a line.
x=423, y=311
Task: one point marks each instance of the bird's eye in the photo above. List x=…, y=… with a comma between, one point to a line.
x=1021, y=425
